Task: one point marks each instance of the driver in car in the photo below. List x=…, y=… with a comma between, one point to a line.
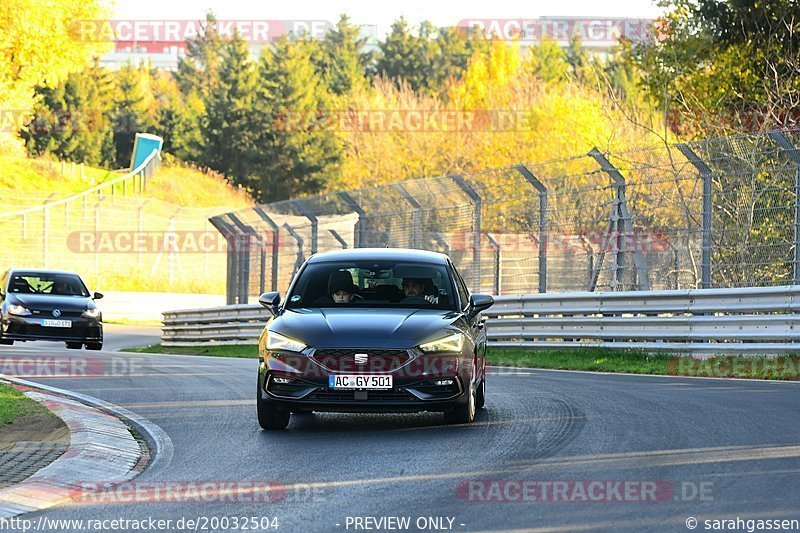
x=415, y=287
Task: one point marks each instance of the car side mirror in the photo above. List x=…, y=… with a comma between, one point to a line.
x=270, y=300
x=97, y=296
x=478, y=303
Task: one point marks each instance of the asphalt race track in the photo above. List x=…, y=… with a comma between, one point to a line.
x=727, y=449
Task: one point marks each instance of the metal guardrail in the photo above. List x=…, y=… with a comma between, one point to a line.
x=753, y=320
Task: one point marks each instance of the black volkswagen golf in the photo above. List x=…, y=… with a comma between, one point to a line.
x=373, y=330
x=49, y=305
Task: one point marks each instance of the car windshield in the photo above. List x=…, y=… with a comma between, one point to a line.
x=47, y=283
x=399, y=284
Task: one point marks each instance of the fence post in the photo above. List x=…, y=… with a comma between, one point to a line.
x=339, y=238
x=360, y=237
x=623, y=215
x=275, y=245
x=476, y=228
x=46, y=230
x=244, y=234
x=705, y=176
x=416, y=215
x=299, y=239
x=793, y=154
x=314, y=223
x=498, y=275
x=542, y=190
x=229, y=233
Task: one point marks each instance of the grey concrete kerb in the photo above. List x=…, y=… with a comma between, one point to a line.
x=102, y=450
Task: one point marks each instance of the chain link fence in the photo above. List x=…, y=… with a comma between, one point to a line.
x=720, y=212
x=114, y=236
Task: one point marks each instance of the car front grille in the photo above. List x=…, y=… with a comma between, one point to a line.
x=344, y=360
x=394, y=395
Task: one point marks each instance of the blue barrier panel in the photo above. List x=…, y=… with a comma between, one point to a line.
x=143, y=146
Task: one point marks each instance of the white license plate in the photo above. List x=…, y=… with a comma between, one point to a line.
x=354, y=381
x=50, y=323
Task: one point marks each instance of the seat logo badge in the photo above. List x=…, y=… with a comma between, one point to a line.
x=361, y=358
x=56, y=313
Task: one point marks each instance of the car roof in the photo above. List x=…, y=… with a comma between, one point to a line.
x=41, y=271
x=380, y=254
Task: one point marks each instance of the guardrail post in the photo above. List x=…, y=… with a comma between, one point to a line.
x=542, y=190
x=275, y=245
x=476, y=228
x=622, y=215
x=706, y=177
x=793, y=154
x=360, y=237
x=416, y=215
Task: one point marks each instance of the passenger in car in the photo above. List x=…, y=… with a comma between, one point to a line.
x=341, y=289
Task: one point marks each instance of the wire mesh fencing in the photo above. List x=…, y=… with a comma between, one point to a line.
x=719, y=212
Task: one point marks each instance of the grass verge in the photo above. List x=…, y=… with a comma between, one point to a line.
x=14, y=405
x=235, y=350
x=785, y=367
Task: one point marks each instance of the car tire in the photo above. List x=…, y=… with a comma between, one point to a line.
x=302, y=412
x=270, y=417
x=94, y=345
x=463, y=414
x=480, y=400
x=74, y=345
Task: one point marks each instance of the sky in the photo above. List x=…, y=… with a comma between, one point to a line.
x=381, y=13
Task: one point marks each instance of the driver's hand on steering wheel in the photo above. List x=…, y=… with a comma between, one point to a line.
x=431, y=299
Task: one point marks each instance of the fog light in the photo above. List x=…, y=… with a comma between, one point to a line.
x=282, y=381
x=443, y=382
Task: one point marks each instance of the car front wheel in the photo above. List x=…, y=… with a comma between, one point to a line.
x=463, y=414
x=74, y=345
x=94, y=345
x=269, y=416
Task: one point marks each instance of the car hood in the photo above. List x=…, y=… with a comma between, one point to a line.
x=47, y=302
x=363, y=328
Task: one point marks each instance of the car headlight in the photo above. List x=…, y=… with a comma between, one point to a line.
x=15, y=309
x=91, y=313
x=276, y=341
x=451, y=343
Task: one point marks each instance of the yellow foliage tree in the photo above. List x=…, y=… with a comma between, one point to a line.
x=39, y=45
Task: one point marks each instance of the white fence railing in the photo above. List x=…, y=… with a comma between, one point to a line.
x=752, y=320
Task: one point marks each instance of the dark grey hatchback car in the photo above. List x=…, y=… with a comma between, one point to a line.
x=373, y=330
x=49, y=305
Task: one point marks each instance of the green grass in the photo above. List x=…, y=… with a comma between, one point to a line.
x=245, y=351
x=590, y=359
x=14, y=404
x=786, y=367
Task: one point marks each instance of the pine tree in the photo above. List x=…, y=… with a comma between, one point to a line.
x=226, y=139
x=294, y=151
x=341, y=61
x=71, y=120
x=133, y=111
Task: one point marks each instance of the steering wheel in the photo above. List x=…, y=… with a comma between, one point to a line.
x=414, y=300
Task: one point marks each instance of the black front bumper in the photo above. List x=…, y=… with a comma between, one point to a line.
x=27, y=328
x=409, y=395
